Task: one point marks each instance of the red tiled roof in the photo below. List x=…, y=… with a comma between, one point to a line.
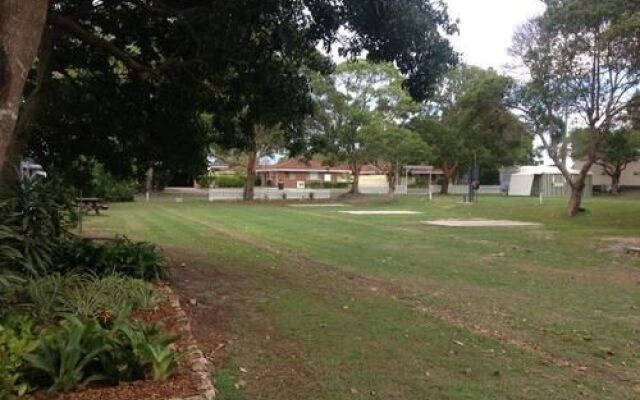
x=293, y=164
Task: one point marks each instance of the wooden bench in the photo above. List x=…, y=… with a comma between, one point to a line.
x=88, y=204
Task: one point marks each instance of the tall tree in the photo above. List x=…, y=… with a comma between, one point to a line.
x=493, y=134
x=576, y=66
x=390, y=148
x=449, y=148
x=472, y=122
x=356, y=94
x=21, y=26
x=335, y=129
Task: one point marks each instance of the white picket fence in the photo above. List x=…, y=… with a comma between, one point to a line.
x=402, y=190
x=457, y=189
x=270, y=194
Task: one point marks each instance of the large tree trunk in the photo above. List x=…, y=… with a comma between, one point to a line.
x=448, y=172
x=615, y=182
x=249, y=185
x=355, y=186
x=391, y=181
x=577, y=186
x=35, y=101
x=444, y=187
x=575, y=201
x=21, y=26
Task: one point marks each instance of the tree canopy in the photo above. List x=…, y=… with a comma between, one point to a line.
x=390, y=148
x=354, y=105
x=470, y=121
x=578, y=64
x=242, y=62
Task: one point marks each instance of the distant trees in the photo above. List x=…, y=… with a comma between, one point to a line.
x=449, y=149
x=616, y=151
x=470, y=120
x=391, y=147
x=579, y=63
x=359, y=107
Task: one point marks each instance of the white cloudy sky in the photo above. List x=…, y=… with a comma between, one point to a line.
x=487, y=27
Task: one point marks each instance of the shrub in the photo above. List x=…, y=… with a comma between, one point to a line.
x=85, y=296
x=328, y=185
x=205, y=181
x=34, y=215
x=120, y=256
x=119, y=191
x=153, y=350
x=77, y=353
x=98, y=182
x=230, y=181
x=42, y=295
x=66, y=355
x=16, y=341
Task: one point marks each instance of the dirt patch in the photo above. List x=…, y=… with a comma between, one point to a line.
x=218, y=298
x=621, y=245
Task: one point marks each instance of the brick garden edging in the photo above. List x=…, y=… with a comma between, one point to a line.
x=198, y=364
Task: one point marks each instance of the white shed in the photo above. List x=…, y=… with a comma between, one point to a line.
x=535, y=180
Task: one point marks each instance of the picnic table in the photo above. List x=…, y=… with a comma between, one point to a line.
x=88, y=204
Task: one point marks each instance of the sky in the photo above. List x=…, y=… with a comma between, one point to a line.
x=487, y=28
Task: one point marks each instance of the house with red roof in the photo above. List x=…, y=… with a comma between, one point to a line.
x=298, y=173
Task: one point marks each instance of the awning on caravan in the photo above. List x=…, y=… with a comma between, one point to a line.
x=521, y=185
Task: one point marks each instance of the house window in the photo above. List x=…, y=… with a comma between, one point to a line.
x=558, y=180
x=314, y=176
x=327, y=177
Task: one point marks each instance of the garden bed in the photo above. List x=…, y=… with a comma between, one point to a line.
x=191, y=380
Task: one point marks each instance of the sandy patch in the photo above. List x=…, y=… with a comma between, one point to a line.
x=478, y=223
x=318, y=205
x=380, y=212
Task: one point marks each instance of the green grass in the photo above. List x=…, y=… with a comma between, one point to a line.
x=323, y=305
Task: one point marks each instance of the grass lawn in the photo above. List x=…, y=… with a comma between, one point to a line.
x=314, y=304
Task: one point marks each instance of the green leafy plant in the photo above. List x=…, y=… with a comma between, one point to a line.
x=230, y=181
x=16, y=341
x=152, y=350
x=121, y=256
x=65, y=356
x=77, y=353
x=93, y=180
x=328, y=185
x=42, y=295
x=35, y=213
x=206, y=181
x=87, y=296
x=161, y=358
